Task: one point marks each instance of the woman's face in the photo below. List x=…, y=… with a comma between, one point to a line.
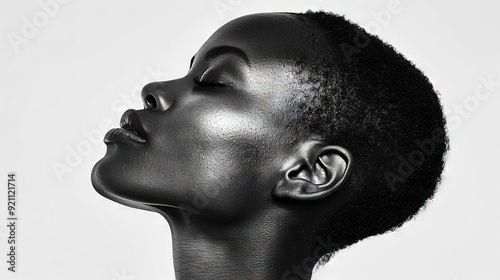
x=215, y=140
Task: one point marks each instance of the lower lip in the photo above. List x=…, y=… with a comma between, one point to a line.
x=122, y=135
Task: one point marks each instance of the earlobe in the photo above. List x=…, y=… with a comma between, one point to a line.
x=317, y=172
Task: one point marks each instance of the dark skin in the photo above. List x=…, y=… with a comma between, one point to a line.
x=244, y=195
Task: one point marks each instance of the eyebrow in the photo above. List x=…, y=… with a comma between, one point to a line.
x=220, y=50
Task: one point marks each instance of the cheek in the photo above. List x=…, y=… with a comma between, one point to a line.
x=229, y=141
x=226, y=157
x=226, y=125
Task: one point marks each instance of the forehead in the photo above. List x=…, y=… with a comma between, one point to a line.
x=263, y=37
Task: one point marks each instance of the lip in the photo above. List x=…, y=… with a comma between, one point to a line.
x=122, y=134
x=130, y=129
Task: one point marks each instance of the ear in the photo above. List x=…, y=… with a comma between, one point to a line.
x=314, y=172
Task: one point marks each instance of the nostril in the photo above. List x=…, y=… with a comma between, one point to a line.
x=150, y=101
x=156, y=96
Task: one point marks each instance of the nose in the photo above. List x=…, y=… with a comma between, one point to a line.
x=155, y=96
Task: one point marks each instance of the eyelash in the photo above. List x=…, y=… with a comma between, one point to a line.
x=197, y=80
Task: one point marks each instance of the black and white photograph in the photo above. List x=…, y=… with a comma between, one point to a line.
x=250, y=140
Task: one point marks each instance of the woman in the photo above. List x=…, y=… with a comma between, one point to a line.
x=291, y=136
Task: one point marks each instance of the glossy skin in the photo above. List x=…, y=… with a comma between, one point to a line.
x=217, y=154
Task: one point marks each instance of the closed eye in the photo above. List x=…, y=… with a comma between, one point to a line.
x=207, y=83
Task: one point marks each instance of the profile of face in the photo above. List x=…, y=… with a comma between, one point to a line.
x=223, y=155
x=220, y=131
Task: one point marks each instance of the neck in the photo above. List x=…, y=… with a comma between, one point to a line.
x=258, y=249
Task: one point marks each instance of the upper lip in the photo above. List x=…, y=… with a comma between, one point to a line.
x=130, y=121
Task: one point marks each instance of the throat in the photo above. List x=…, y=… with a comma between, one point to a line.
x=258, y=253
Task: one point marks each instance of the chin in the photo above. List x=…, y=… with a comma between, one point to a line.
x=108, y=182
x=98, y=180
x=101, y=181
x=122, y=180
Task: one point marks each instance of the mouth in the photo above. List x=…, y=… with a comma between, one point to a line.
x=130, y=129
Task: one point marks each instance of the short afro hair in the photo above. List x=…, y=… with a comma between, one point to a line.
x=365, y=96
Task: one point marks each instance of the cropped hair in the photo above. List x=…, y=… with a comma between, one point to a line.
x=365, y=96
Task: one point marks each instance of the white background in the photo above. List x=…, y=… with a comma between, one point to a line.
x=85, y=62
